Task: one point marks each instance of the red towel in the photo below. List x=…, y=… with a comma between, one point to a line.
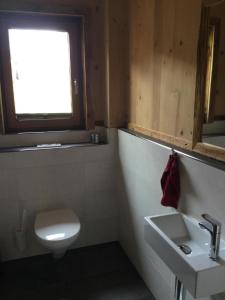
x=170, y=183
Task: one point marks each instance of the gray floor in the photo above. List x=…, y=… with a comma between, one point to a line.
x=94, y=273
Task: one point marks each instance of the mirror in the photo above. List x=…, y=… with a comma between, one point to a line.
x=212, y=68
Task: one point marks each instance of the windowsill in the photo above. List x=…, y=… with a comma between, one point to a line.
x=49, y=147
x=31, y=141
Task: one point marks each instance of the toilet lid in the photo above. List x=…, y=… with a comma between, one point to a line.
x=57, y=225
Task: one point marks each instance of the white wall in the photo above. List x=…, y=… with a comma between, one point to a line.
x=81, y=178
x=141, y=164
x=85, y=180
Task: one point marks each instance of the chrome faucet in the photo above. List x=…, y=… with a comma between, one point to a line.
x=214, y=228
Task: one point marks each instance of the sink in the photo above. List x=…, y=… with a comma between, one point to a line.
x=184, y=247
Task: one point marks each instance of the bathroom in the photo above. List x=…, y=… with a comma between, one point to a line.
x=142, y=88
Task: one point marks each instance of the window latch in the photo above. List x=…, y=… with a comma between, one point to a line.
x=76, y=87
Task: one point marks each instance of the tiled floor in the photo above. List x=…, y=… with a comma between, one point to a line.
x=94, y=273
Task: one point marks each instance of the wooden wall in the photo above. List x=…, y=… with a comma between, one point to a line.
x=163, y=43
x=117, y=61
x=95, y=9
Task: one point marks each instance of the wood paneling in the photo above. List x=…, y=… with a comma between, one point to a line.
x=161, y=136
x=116, y=30
x=96, y=67
x=42, y=5
x=163, y=59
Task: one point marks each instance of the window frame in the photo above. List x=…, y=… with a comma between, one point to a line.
x=74, y=26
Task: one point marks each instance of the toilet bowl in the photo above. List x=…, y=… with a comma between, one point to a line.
x=57, y=230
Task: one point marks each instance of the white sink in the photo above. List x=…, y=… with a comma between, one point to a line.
x=200, y=275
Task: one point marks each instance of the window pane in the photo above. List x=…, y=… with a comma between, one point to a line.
x=40, y=61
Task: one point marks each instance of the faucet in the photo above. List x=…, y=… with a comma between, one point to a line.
x=214, y=228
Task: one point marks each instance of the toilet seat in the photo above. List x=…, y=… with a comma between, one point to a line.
x=57, y=225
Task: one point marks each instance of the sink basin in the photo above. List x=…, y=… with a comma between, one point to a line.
x=171, y=236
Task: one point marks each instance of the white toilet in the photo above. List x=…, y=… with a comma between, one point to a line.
x=57, y=230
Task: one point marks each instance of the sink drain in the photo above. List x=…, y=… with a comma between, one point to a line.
x=186, y=249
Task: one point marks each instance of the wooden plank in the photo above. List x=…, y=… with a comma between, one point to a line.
x=116, y=61
x=66, y=6
x=97, y=63
x=141, y=45
x=186, y=144
x=183, y=70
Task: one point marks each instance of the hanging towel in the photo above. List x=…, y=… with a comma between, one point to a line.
x=170, y=183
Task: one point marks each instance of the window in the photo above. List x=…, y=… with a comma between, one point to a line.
x=41, y=72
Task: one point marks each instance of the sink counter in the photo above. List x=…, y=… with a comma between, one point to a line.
x=200, y=275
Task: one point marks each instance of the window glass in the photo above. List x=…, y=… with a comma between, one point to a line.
x=41, y=71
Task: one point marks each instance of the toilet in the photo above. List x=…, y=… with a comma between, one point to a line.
x=57, y=230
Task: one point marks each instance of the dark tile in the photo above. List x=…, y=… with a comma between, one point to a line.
x=92, y=273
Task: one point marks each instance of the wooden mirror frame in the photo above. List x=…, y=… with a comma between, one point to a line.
x=198, y=146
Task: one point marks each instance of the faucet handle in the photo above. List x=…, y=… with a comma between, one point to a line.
x=215, y=224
